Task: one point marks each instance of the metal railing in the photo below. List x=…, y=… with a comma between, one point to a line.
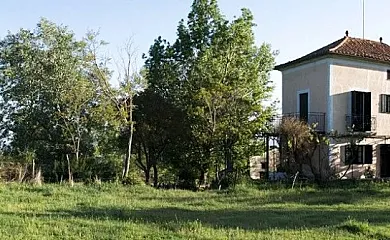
x=360, y=123
x=315, y=119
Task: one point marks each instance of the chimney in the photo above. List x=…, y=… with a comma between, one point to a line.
x=380, y=39
x=346, y=33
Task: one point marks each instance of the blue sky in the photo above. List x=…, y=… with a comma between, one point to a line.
x=294, y=27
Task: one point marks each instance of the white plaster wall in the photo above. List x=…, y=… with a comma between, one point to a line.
x=347, y=76
x=312, y=77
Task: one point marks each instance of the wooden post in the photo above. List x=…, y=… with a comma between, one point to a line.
x=267, y=156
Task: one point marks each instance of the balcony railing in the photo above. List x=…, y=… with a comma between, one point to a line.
x=360, y=123
x=315, y=119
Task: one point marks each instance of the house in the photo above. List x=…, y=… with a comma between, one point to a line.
x=344, y=87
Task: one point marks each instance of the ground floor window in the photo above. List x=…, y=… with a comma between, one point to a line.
x=358, y=154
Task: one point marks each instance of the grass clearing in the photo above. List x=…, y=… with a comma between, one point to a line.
x=112, y=211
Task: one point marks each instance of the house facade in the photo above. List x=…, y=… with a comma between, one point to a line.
x=344, y=88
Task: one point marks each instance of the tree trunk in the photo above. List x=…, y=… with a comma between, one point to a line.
x=155, y=175
x=33, y=168
x=70, y=177
x=78, y=149
x=201, y=177
x=228, y=156
x=216, y=172
x=126, y=164
x=147, y=175
x=144, y=167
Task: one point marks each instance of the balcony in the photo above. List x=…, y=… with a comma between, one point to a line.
x=360, y=123
x=316, y=119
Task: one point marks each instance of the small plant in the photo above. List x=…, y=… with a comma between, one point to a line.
x=132, y=179
x=355, y=227
x=369, y=173
x=38, y=179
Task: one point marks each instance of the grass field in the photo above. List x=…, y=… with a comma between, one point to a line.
x=109, y=211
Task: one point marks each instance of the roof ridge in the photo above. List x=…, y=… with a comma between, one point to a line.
x=346, y=38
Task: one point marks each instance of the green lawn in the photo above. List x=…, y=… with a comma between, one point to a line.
x=115, y=212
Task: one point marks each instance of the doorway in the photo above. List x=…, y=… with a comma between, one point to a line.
x=304, y=106
x=385, y=160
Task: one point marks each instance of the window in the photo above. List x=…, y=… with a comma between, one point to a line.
x=384, y=103
x=360, y=119
x=359, y=154
x=388, y=74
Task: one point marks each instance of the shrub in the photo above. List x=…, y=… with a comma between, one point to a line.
x=132, y=179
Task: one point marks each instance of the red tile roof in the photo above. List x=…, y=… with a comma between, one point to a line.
x=349, y=47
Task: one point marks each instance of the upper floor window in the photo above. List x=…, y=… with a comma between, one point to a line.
x=384, y=103
x=388, y=74
x=360, y=118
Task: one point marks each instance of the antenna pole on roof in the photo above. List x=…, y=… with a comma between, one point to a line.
x=363, y=19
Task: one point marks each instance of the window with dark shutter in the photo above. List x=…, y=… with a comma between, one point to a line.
x=388, y=74
x=368, y=154
x=360, y=119
x=358, y=154
x=351, y=154
x=384, y=102
x=359, y=158
x=388, y=103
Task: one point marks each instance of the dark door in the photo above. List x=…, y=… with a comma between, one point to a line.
x=385, y=160
x=304, y=106
x=361, y=111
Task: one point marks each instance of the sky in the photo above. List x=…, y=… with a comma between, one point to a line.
x=293, y=27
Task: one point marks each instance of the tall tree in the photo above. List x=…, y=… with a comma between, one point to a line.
x=159, y=127
x=49, y=103
x=215, y=72
x=130, y=83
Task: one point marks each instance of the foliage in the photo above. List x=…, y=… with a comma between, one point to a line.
x=198, y=118
x=158, y=133
x=132, y=179
x=50, y=106
x=219, y=78
x=369, y=173
x=299, y=141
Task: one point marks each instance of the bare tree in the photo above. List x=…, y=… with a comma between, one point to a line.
x=300, y=143
x=130, y=82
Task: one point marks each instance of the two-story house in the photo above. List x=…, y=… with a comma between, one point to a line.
x=344, y=87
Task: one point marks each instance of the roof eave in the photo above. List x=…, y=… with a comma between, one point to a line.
x=362, y=59
x=299, y=62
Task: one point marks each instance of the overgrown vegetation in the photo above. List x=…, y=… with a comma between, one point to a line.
x=357, y=210
x=302, y=146
x=192, y=112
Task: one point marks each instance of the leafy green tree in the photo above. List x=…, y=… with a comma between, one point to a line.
x=217, y=75
x=159, y=129
x=50, y=104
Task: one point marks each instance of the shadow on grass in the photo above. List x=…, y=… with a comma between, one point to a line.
x=305, y=197
x=258, y=219
x=315, y=198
